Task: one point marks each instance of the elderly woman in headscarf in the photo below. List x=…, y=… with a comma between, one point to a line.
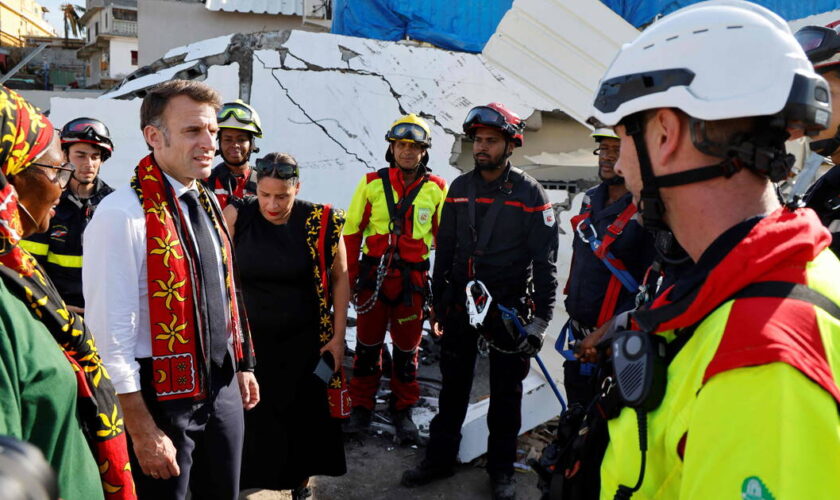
x=54, y=390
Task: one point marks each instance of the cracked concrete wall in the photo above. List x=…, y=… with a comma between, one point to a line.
x=329, y=100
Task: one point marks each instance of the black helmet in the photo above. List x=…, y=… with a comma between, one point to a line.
x=88, y=130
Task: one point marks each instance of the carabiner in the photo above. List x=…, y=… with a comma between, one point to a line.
x=582, y=236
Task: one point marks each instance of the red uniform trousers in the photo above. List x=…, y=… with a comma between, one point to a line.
x=405, y=323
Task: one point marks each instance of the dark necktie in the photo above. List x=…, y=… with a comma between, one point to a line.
x=215, y=304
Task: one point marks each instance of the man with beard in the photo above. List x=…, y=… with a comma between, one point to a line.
x=610, y=253
x=233, y=179
x=391, y=223
x=86, y=143
x=498, y=237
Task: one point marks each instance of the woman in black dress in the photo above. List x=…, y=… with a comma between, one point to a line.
x=294, y=274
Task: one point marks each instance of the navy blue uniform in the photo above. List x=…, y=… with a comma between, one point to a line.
x=824, y=198
x=589, y=277
x=522, y=247
x=59, y=249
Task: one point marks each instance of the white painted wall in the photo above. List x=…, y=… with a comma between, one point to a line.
x=120, y=57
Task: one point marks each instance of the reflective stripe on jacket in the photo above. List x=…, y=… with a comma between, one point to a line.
x=59, y=249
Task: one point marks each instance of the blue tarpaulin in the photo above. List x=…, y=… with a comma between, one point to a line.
x=463, y=25
x=641, y=12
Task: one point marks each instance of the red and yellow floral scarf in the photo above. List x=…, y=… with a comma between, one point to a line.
x=323, y=231
x=173, y=277
x=24, y=135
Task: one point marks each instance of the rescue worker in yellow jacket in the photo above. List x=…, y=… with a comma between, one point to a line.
x=391, y=225
x=733, y=389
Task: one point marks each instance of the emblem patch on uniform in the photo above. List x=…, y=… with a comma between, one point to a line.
x=753, y=488
x=58, y=233
x=548, y=216
x=424, y=215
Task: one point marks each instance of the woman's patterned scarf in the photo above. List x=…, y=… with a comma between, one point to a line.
x=24, y=135
x=173, y=278
x=323, y=231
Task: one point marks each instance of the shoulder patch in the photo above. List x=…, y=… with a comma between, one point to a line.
x=548, y=217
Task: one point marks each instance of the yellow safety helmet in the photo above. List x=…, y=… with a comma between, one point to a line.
x=603, y=133
x=410, y=128
x=240, y=116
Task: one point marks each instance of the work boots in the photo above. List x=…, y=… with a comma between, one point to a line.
x=425, y=473
x=504, y=486
x=405, y=431
x=359, y=420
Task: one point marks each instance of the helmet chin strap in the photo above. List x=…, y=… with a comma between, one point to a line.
x=83, y=183
x=409, y=170
x=827, y=147
x=236, y=164
x=503, y=161
x=762, y=152
x=614, y=181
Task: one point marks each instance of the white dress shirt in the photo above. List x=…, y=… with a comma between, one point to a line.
x=115, y=283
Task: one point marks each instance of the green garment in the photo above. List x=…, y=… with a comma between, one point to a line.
x=38, y=395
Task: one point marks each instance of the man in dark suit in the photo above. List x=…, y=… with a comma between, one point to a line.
x=160, y=296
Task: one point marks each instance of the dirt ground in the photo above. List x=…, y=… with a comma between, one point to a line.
x=375, y=465
x=374, y=470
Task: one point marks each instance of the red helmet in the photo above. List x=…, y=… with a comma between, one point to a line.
x=88, y=130
x=821, y=44
x=495, y=115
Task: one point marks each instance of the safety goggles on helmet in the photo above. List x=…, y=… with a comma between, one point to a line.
x=86, y=126
x=408, y=132
x=819, y=43
x=483, y=115
x=279, y=170
x=87, y=130
x=241, y=113
x=496, y=116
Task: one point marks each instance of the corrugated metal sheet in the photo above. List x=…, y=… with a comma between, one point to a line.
x=285, y=7
x=559, y=49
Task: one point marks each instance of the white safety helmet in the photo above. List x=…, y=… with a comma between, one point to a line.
x=715, y=60
x=603, y=133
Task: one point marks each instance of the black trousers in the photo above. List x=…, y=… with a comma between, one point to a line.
x=208, y=435
x=457, y=365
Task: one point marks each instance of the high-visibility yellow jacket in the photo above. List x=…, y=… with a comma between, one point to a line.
x=751, y=405
x=368, y=218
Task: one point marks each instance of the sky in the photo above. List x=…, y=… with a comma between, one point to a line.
x=54, y=15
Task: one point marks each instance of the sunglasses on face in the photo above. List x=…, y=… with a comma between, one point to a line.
x=57, y=174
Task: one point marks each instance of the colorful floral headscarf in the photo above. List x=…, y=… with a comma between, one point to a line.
x=24, y=136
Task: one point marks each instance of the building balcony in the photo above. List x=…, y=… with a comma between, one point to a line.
x=127, y=29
